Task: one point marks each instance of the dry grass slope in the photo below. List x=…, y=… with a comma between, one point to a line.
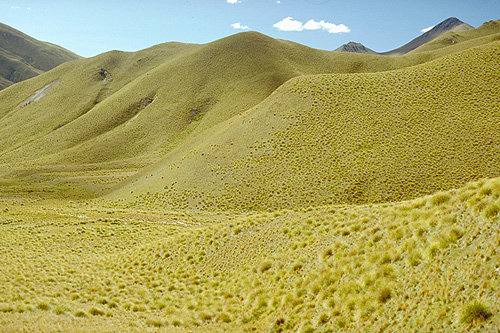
x=257, y=209
x=425, y=264
x=332, y=139
x=120, y=109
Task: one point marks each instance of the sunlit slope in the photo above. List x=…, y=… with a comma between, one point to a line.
x=353, y=138
x=119, y=106
x=404, y=266
x=487, y=32
x=151, y=109
x=23, y=57
x=70, y=92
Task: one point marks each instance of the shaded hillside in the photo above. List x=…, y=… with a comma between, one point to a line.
x=450, y=24
x=354, y=138
x=23, y=57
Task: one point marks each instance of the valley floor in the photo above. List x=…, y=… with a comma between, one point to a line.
x=91, y=266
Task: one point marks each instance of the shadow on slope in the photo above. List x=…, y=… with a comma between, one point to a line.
x=23, y=57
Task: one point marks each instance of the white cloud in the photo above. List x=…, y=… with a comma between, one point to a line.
x=238, y=25
x=17, y=7
x=278, y=2
x=427, y=29
x=289, y=24
x=233, y=1
x=312, y=25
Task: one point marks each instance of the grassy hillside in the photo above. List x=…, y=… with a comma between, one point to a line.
x=191, y=93
x=122, y=111
x=280, y=189
x=23, y=57
x=357, y=138
x=426, y=264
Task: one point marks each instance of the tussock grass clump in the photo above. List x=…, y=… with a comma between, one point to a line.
x=155, y=322
x=43, y=306
x=326, y=254
x=491, y=211
x=96, y=311
x=384, y=295
x=265, y=266
x=80, y=314
x=440, y=198
x=60, y=309
x=6, y=308
x=475, y=313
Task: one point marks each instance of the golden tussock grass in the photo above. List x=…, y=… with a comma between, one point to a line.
x=334, y=139
x=355, y=202
x=352, y=267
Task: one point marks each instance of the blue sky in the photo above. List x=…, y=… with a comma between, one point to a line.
x=95, y=26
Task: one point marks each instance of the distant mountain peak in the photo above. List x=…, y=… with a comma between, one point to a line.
x=450, y=24
x=355, y=48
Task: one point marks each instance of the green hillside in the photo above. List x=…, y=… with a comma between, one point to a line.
x=122, y=111
x=23, y=57
x=254, y=185
x=191, y=93
x=356, y=138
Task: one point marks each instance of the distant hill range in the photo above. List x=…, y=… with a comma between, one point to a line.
x=23, y=57
x=449, y=25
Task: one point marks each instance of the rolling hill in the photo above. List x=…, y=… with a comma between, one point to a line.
x=23, y=57
x=130, y=105
x=337, y=139
x=122, y=111
x=255, y=185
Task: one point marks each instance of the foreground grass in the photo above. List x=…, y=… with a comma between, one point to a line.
x=426, y=264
